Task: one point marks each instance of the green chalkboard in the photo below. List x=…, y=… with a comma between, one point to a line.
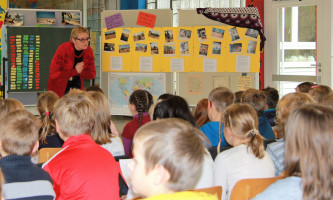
x=30, y=51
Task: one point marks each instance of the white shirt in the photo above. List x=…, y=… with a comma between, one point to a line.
x=116, y=147
x=239, y=163
x=207, y=175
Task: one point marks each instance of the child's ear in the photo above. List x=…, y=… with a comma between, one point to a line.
x=35, y=149
x=162, y=175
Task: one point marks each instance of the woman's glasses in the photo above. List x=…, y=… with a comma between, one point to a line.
x=83, y=39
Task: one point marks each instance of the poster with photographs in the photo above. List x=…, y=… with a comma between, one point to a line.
x=125, y=48
x=14, y=19
x=110, y=34
x=169, y=50
x=203, y=49
x=45, y=17
x=109, y=47
x=70, y=18
x=251, y=47
x=251, y=33
x=141, y=47
x=216, y=50
x=154, y=34
x=139, y=36
x=217, y=33
x=184, y=49
x=124, y=35
x=202, y=34
x=235, y=48
x=184, y=34
x=234, y=34
x=154, y=48
x=168, y=35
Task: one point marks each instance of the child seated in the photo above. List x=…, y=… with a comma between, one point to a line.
x=82, y=169
x=247, y=158
x=272, y=99
x=168, y=158
x=18, y=139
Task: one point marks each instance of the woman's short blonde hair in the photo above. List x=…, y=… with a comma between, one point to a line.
x=176, y=145
x=75, y=114
x=78, y=30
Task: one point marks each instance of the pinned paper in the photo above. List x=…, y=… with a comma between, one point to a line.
x=146, y=19
x=114, y=21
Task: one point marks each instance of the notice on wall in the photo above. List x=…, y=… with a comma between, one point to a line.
x=24, y=73
x=244, y=82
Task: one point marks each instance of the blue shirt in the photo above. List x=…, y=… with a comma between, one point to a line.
x=265, y=129
x=211, y=130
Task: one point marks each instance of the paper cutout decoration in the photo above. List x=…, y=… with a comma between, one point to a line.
x=114, y=21
x=146, y=19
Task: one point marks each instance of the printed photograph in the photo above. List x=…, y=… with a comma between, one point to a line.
x=154, y=48
x=235, y=48
x=110, y=34
x=45, y=17
x=124, y=35
x=184, y=48
x=69, y=18
x=138, y=36
x=252, y=33
x=154, y=34
x=234, y=34
x=203, y=50
x=251, y=47
x=109, y=47
x=217, y=33
x=184, y=34
x=14, y=19
x=216, y=48
x=169, y=49
x=202, y=34
x=168, y=36
x=141, y=47
x=125, y=48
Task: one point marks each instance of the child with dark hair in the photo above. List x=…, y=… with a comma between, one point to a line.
x=272, y=99
x=139, y=103
x=258, y=100
x=304, y=87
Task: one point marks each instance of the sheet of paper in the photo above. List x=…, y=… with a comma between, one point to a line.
x=221, y=81
x=114, y=21
x=244, y=82
x=124, y=168
x=243, y=63
x=195, y=84
x=146, y=19
x=146, y=64
x=116, y=63
x=177, y=64
x=209, y=65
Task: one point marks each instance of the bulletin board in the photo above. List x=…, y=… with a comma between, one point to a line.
x=181, y=49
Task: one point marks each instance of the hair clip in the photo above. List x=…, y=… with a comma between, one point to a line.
x=254, y=132
x=314, y=86
x=47, y=113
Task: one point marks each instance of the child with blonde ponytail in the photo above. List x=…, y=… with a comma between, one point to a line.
x=247, y=158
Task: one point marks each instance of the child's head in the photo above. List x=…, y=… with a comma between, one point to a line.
x=140, y=101
x=45, y=106
x=201, y=113
x=272, y=97
x=320, y=92
x=174, y=107
x=101, y=132
x=164, y=96
x=309, y=150
x=9, y=105
x=95, y=88
x=287, y=104
x=238, y=96
x=168, y=157
x=220, y=98
x=241, y=122
x=74, y=114
x=19, y=133
x=256, y=98
x=304, y=87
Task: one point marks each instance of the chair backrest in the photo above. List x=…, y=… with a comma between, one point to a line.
x=215, y=190
x=45, y=154
x=249, y=188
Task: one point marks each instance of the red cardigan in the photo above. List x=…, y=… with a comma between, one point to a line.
x=61, y=68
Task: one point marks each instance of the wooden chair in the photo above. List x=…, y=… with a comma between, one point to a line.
x=249, y=188
x=45, y=154
x=215, y=190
